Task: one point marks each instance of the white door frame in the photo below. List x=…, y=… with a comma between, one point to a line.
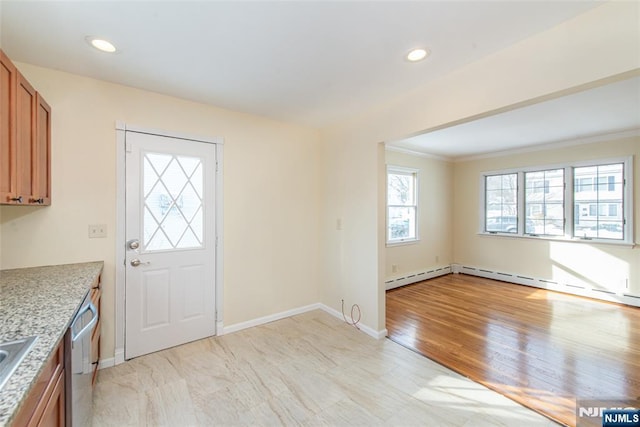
x=121, y=128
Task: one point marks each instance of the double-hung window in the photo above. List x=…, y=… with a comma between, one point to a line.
x=501, y=208
x=580, y=201
x=599, y=206
x=402, y=205
x=544, y=202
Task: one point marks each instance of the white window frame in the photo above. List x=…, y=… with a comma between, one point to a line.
x=416, y=177
x=627, y=204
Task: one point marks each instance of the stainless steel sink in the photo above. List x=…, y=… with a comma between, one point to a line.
x=11, y=354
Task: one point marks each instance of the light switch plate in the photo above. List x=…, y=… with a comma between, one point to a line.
x=97, y=230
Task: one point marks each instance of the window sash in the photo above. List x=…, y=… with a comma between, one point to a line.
x=402, y=223
x=501, y=203
x=606, y=196
x=544, y=210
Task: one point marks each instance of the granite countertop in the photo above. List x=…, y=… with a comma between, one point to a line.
x=38, y=301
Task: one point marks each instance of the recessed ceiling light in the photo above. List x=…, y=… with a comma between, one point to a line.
x=417, y=54
x=101, y=44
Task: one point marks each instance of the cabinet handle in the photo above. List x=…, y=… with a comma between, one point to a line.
x=38, y=201
x=16, y=199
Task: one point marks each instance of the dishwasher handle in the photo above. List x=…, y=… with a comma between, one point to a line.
x=94, y=319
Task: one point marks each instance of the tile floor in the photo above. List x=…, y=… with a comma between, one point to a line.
x=311, y=369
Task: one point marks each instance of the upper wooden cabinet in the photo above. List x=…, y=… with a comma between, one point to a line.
x=43, y=152
x=25, y=140
x=8, y=86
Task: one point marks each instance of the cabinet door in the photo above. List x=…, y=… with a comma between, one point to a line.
x=25, y=141
x=54, y=411
x=42, y=152
x=7, y=129
x=45, y=404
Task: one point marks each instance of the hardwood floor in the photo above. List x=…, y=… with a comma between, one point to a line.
x=540, y=348
x=310, y=370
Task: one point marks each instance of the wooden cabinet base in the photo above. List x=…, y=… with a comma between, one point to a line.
x=54, y=411
x=45, y=404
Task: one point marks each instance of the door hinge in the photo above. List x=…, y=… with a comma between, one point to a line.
x=127, y=147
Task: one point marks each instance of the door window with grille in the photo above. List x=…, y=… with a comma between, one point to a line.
x=173, y=208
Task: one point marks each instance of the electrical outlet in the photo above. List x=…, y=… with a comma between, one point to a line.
x=97, y=230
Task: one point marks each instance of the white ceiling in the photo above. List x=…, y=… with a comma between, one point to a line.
x=603, y=110
x=314, y=63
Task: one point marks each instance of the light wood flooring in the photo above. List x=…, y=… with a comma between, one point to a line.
x=311, y=369
x=541, y=348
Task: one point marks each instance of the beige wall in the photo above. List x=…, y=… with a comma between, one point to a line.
x=271, y=187
x=598, y=44
x=435, y=217
x=350, y=255
x=284, y=192
x=579, y=263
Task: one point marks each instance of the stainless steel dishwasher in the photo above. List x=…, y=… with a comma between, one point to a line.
x=79, y=403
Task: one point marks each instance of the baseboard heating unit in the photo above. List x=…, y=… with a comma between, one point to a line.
x=577, y=288
x=417, y=276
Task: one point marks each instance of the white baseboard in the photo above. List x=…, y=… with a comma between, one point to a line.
x=284, y=314
x=552, y=285
x=416, y=276
x=112, y=361
x=119, y=356
x=266, y=319
x=222, y=330
x=364, y=328
x=569, y=288
x=107, y=363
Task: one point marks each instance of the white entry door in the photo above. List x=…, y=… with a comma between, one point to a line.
x=170, y=242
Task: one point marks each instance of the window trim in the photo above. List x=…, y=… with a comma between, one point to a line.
x=627, y=202
x=416, y=204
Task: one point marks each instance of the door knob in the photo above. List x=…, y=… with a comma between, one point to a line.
x=133, y=244
x=136, y=262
